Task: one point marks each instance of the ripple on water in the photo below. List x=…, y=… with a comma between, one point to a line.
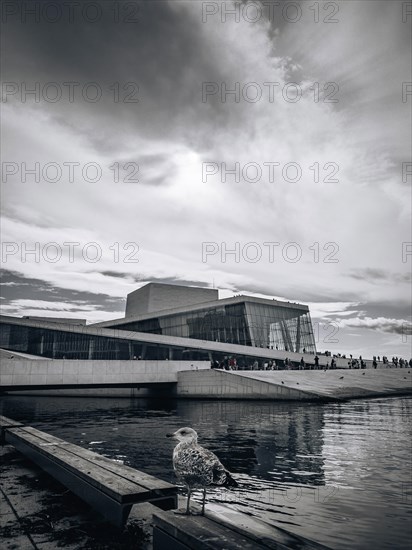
x=336, y=473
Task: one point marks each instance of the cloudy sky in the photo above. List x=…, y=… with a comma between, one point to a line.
x=160, y=136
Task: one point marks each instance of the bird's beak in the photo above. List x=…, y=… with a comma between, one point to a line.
x=170, y=435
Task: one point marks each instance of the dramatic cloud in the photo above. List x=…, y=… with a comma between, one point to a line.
x=379, y=276
x=159, y=138
x=396, y=326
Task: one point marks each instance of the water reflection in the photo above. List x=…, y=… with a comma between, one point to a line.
x=336, y=473
x=259, y=438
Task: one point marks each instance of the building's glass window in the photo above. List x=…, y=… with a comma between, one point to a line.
x=246, y=324
x=220, y=324
x=58, y=344
x=282, y=328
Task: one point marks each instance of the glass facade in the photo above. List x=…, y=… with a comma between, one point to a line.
x=282, y=328
x=58, y=344
x=246, y=324
x=219, y=324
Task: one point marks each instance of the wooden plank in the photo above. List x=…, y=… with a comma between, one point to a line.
x=272, y=536
x=109, y=493
x=238, y=528
x=4, y=424
x=8, y=422
x=162, y=540
x=117, y=487
x=100, y=470
x=200, y=533
x=147, y=481
x=141, y=478
x=110, y=508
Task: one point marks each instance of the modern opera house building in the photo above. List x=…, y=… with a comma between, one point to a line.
x=171, y=322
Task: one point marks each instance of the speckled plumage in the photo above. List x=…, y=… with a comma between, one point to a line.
x=196, y=466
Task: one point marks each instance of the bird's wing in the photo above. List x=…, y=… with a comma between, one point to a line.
x=196, y=460
x=198, y=465
x=219, y=473
x=213, y=465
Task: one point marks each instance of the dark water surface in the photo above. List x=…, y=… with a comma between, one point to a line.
x=339, y=474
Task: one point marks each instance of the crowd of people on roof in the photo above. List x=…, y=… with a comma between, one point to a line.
x=234, y=363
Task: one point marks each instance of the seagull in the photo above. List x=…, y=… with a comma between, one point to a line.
x=196, y=466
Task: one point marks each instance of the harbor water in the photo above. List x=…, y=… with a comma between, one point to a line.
x=336, y=473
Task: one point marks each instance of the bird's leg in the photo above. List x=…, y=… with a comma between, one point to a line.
x=187, y=513
x=203, y=503
x=188, y=501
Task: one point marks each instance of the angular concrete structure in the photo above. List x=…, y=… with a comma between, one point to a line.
x=155, y=297
x=294, y=385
